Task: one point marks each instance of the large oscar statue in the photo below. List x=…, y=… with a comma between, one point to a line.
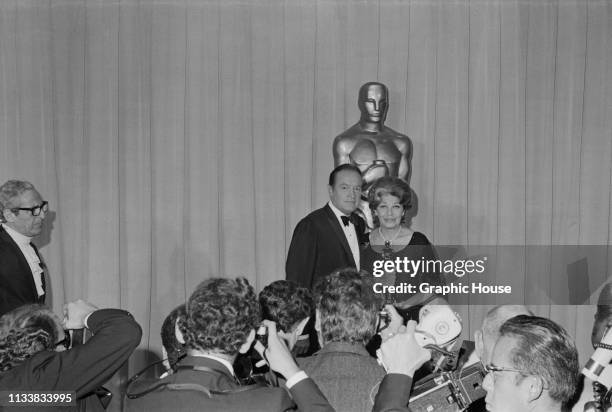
x=377, y=150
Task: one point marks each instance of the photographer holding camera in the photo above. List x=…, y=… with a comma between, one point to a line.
x=33, y=354
x=219, y=322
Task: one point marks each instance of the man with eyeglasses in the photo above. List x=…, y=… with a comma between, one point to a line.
x=533, y=367
x=22, y=278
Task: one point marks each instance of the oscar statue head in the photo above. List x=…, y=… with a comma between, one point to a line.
x=373, y=103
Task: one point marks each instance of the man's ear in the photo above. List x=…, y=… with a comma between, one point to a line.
x=247, y=343
x=330, y=189
x=178, y=334
x=8, y=215
x=536, y=387
x=479, y=345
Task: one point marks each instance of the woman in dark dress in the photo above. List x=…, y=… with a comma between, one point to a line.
x=389, y=198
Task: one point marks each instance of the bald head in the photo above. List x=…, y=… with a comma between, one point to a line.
x=495, y=318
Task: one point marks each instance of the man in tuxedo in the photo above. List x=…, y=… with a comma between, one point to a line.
x=329, y=238
x=22, y=212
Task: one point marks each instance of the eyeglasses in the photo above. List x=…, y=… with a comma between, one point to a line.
x=43, y=207
x=493, y=368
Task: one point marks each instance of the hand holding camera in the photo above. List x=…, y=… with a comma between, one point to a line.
x=276, y=354
x=75, y=314
x=438, y=324
x=401, y=352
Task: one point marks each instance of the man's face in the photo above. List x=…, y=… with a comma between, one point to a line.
x=374, y=104
x=505, y=390
x=23, y=221
x=346, y=191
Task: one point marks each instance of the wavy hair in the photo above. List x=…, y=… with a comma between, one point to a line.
x=285, y=303
x=219, y=315
x=546, y=350
x=348, y=306
x=26, y=331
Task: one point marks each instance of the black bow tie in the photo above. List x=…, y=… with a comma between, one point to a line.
x=347, y=219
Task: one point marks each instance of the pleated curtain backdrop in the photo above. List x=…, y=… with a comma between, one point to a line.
x=181, y=140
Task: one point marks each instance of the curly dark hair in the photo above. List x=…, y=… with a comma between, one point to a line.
x=22, y=344
x=24, y=332
x=348, y=306
x=168, y=336
x=285, y=303
x=389, y=185
x=220, y=314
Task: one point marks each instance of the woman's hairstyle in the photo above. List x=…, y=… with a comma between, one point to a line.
x=26, y=331
x=348, y=306
x=389, y=185
x=219, y=315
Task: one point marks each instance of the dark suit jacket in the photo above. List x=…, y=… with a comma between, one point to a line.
x=347, y=375
x=185, y=391
x=82, y=368
x=319, y=247
x=17, y=286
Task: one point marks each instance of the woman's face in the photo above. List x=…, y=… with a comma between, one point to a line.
x=389, y=212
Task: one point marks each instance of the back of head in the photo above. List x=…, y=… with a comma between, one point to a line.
x=173, y=347
x=546, y=350
x=26, y=331
x=492, y=323
x=219, y=315
x=285, y=303
x=347, y=306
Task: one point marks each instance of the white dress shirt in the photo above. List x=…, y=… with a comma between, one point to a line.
x=349, y=232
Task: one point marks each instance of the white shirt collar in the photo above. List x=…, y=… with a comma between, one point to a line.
x=222, y=361
x=19, y=238
x=336, y=211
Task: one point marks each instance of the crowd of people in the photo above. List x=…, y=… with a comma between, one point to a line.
x=321, y=340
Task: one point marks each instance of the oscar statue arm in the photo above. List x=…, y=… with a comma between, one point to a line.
x=404, y=146
x=342, y=148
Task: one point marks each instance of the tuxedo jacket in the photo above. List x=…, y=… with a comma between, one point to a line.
x=319, y=247
x=17, y=286
x=189, y=389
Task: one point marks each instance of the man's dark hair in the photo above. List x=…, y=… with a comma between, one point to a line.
x=348, y=306
x=345, y=166
x=285, y=303
x=173, y=347
x=546, y=350
x=220, y=315
x=26, y=331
